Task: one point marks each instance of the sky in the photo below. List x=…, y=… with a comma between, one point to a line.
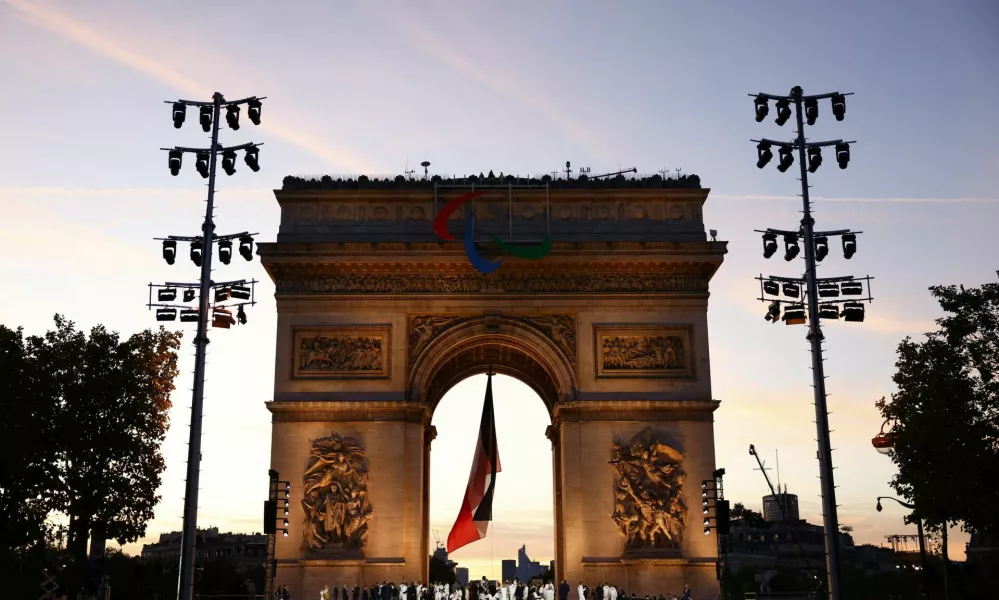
x=365, y=87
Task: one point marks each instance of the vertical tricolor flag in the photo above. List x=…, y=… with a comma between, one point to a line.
x=477, y=507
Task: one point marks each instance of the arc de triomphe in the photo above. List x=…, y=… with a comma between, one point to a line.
x=378, y=318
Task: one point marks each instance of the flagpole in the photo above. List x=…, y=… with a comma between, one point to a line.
x=492, y=555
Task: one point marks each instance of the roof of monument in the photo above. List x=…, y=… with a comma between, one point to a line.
x=401, y=182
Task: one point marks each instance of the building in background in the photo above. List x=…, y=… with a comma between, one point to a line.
x=246, y=550
x=526, y=568
x=773, y=503
x=508, y=569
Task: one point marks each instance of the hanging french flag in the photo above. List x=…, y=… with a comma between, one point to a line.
x=477, y=507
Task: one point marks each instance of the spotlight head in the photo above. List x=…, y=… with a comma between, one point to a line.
x=196, y=252
x=811, y=110
x=783, y=112
x=814, y=158
x=201, y=164
x=166, y=294
x=241, y=315
x=828, y=311
x=251, y=159
x=229, y=162
x=879, y=507
x=791, y=248
x=189, y=315
x=707, y=521
x=225, y=251
x=222, y=318
x=762, y=109
x=851, y=288
x=166, y=314
x=794, y=315
x=828, y=289
x=849, y=245
x=786, y=159
x=791, y=290
x=174, y=161
x=232, y=116
x=853, y=312
x=821, y=247
x=707, y=531
x=839, y=106
x=285, y=533
x=763, y=154
x=170, y=251
x=771, y=288
x=189, y=295
x=843, y=154
x=773, y=312
x=179, y=114
x=206, y=118
x=769, y=244
x=246, y=247
x=253, y=110
x=752, y=450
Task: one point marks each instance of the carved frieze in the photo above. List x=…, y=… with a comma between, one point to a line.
x=649, y=508
x=637, y=350
x=532, y=283
x=335, y=496
x=424, y=328
x=341, y=352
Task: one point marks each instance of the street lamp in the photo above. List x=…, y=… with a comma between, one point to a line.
x=922, y=541
x=884, y=441
x=201, y=256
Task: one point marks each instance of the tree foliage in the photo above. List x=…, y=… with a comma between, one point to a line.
x=945, y=414
x=440, y=572
x=91, y=414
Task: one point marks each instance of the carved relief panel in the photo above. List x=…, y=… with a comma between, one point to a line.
x=637, y=350
x=335, y=495
x=649, y=508
x=560, y=329
x=347, y=352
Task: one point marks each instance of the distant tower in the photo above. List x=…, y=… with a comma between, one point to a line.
x=773, y=503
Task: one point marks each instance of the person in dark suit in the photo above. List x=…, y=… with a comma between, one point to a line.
x=563, y=590
x=598, y=592
x=411, y=591
x=356, y=592
x=364, y=594
x=343, y=592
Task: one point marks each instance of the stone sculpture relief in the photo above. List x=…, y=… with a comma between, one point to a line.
x=642, y=352
x=423, y=329
x=561, y=329
x=335, y=495
x=340, y=353
x=649, y=508
x=423, y=283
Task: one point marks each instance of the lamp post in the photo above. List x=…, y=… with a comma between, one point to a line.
x=922, y=540
x=201, y=255
x=822, y=296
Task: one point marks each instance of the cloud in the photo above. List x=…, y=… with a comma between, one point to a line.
x=430, y=41
x=60, y=24
x=856, y=199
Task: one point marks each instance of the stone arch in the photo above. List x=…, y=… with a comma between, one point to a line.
x=508, y=346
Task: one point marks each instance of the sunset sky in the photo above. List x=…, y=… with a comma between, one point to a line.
x=518, y=87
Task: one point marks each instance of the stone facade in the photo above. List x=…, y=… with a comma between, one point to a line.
x=377, y=320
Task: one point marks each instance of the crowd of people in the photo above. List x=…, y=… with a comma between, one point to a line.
x=481, y=590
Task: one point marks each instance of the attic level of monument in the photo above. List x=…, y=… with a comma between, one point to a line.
x=401, y=182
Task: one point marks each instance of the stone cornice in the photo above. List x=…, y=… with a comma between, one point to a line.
x=709, y=252
x=635, y=410
x=289, y=412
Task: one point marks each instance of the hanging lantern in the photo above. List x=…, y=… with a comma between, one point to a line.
x=884, y=442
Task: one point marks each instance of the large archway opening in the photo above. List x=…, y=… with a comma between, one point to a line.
x=523, y=507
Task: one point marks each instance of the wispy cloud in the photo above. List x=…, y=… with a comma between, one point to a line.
x=430, y=41
x=99, y=42
x=859, y=199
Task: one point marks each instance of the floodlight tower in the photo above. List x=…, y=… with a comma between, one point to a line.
x=816, y=246
x=201, y=255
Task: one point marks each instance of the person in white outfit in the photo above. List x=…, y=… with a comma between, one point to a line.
x=581, y=590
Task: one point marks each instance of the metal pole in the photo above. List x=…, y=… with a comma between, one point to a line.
x=922, y=558
x=185, y=585
x=828, y=488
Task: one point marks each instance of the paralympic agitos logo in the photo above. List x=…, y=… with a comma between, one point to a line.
x=482, y=265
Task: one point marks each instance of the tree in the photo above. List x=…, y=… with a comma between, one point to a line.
x=945, y=414
x=750, y=517
x=28, y=476
x=109, y=400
